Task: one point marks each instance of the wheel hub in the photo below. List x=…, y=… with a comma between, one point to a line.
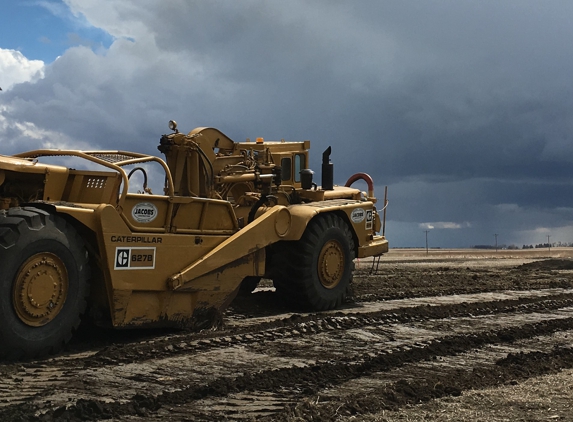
x=331, y=264
x=40, y=289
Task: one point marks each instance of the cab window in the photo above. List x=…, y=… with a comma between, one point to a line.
x=299, y=164
x=286, y=166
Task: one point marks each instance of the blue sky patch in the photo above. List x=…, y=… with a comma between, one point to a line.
x=44, y=30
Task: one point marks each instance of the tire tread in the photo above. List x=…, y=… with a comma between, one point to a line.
x=20, y=227
x=293, y=265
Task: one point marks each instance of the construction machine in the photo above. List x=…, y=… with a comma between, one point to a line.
x=79, y=243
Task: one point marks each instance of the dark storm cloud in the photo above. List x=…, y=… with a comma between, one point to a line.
x=466, y=103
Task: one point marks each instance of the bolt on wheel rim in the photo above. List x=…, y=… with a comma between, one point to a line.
x=331, y=264
x=40, y=289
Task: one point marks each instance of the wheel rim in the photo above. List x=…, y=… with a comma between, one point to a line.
x=40, y=289
x=331, y=264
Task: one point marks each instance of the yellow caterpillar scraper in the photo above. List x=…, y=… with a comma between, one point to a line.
x=229, y=213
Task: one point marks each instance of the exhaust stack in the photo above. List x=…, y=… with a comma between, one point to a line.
x=327, y=170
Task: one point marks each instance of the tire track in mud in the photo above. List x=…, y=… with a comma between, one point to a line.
x=407, y=281
x=301, y=325
x=279, y=375
x=406, y=351
x=512, y=369
x=308, y=380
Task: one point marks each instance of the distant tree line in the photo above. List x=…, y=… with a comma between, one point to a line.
x=539, y=245
x=493, y=247
x=553, y=245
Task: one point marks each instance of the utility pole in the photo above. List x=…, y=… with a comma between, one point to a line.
x=495, y=242
x=548, y=244
x=426, y=241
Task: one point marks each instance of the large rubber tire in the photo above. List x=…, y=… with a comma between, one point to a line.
x=43, y=282
x=316, y=271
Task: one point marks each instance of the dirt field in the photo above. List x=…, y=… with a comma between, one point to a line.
x=455, y=335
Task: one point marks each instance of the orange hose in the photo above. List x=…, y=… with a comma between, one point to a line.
x=366, y=178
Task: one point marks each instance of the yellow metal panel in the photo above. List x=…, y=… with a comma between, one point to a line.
x=377, y=246
x=187, y=216
x=140, y=261
x=91, y=187
x=206, y=215
x=156, y=204
x=145, y=308
x=25, y=166
x=253, y=237
x=274, y=146
x=300, y=216
x=86, y=216
x=54, y=183
x=137, y=292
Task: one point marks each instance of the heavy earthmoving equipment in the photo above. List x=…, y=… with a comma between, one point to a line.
x=75, y=242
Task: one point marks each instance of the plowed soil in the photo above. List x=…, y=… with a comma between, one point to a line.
x=448, y=335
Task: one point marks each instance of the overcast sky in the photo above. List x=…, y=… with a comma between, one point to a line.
x=463, y=108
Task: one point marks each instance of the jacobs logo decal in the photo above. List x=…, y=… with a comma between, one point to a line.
x=358, y=215
x=144, y=212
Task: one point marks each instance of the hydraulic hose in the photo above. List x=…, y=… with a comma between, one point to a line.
x=366, y=178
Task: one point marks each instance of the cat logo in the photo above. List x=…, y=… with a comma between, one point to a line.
x=369, y=219
x=122, y=258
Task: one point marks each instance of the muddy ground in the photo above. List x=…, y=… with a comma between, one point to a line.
x=448, y=335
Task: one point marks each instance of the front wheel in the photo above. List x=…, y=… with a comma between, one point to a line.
x=43, y=283
x=316, y=271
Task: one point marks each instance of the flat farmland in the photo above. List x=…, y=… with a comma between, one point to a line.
x=448, y=335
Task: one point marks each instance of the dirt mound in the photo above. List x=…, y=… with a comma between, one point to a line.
x=548, y=265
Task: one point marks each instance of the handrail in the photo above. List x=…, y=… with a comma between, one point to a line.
x=132, y=158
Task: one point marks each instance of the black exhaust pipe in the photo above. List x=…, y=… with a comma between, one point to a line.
x=327, y=170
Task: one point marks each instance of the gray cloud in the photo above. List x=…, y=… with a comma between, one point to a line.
x=461, y=107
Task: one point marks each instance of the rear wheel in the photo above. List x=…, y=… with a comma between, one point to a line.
x=43, y=283
x=316, y=271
